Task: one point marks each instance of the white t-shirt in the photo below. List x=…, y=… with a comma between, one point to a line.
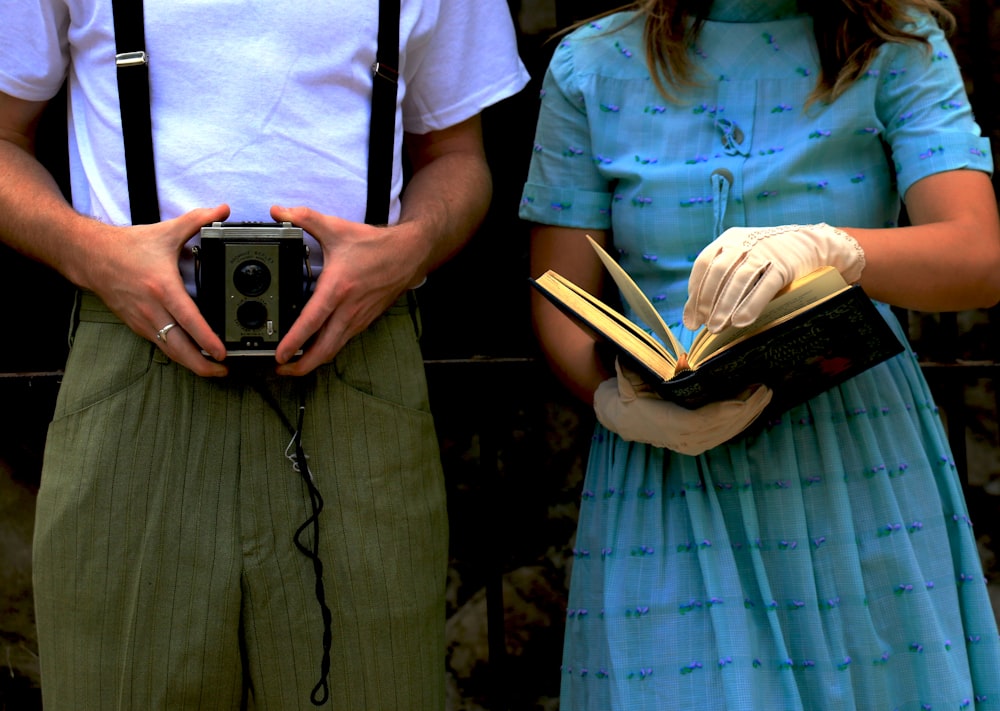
x=255, y=103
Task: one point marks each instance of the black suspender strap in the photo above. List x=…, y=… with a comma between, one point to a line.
x=132, y=64
x=382, y=136
x=137, y=130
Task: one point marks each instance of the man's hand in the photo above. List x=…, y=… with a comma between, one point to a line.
x=364, y=272
x=366, y=268
x=134, y=271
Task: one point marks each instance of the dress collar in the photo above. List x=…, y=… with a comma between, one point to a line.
x=752, y=10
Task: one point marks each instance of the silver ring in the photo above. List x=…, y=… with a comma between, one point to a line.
x=161, y=335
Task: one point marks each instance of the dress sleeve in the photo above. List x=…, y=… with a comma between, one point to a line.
x=921, y=101
x=34, y=54
x=564, y=187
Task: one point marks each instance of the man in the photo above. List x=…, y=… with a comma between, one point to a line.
x=175, y=507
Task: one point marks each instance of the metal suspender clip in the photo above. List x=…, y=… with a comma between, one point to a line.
x=131, y=59
x=381, y=69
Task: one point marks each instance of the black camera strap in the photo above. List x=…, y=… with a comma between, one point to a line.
x=132, y=64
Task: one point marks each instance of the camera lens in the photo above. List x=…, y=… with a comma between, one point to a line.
x=252, y=277
x=252, y=315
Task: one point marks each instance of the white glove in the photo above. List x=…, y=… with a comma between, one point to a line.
x=628, y=407
x=735, y=276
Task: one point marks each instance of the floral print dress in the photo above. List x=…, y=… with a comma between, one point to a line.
x=826, y=560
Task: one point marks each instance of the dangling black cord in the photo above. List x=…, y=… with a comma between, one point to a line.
x=321, y=692
x=310, y=549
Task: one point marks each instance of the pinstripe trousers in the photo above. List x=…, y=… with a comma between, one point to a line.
x=165, y=571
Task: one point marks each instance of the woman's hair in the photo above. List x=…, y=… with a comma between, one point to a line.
x=848, y=34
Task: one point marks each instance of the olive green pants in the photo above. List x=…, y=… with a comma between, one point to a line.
x=165, y=572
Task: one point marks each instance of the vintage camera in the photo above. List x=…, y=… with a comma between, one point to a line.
x=252, y=280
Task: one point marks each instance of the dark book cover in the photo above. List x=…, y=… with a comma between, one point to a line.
x=798, y=358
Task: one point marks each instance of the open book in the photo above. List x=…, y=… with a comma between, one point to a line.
x=816, y=332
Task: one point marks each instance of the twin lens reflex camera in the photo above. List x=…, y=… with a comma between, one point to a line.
x=252, y=280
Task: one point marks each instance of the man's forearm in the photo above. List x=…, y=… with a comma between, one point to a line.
x=35, y=218
x=447, y=199
x=448, y=194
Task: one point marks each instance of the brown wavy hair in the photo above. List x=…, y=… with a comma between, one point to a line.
x=848, y=34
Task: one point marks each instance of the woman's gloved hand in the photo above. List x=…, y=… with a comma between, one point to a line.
x=627, y=406
x=735, y=276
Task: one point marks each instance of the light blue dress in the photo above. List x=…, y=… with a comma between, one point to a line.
x=827, y=561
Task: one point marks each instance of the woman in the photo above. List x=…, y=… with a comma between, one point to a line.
x=823, y=558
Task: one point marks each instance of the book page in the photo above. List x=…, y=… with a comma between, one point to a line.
x=609, y=323
x=637, y=300
x=811, y=289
